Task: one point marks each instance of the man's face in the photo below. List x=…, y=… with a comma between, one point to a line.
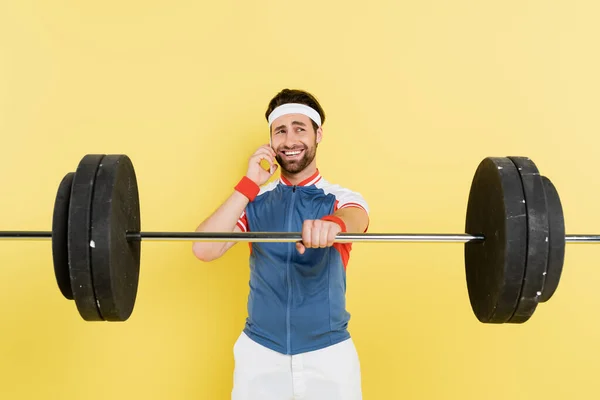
x=294, y=140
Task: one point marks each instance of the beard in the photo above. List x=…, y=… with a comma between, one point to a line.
x=296, y=166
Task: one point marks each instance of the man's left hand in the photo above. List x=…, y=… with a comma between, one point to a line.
x=317, y=233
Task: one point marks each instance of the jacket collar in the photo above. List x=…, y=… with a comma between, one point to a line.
x=311, y=180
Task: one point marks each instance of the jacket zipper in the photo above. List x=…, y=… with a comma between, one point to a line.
x=289, y=278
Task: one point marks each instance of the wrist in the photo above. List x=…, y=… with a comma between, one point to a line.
x=247, y=187
x=335, y=219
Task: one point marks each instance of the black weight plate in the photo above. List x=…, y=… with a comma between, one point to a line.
x=495, y=267
x=115, y=260
x=80, y=213
x=537, y=239
x=556, y=256
x=60, y=221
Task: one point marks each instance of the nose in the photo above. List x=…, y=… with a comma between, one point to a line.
x=291, y=140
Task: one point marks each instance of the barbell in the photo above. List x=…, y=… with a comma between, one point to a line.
x=513, y=252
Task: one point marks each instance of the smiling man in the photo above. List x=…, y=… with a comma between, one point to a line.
x=295, y=343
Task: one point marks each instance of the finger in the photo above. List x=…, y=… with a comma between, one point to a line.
x=267, y=153
x=272, y=151
x=269, y=146
x=263, y=156
x=307, y=234
x=331, y=237
x=324, y=235
x=316, y=233
x=269, y=149
x=300, y=247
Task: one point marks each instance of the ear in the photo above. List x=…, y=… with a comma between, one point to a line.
x=319, y=134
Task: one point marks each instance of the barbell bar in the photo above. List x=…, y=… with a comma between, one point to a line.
x=276, y=237
x=514, y=246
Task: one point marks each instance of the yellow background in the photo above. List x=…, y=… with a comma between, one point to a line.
x=416, y=94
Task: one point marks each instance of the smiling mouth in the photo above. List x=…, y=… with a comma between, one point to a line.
x=292, y=153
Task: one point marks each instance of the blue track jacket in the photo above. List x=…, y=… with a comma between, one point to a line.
x=297, y=301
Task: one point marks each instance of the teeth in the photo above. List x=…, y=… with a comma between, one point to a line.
x=291, y=153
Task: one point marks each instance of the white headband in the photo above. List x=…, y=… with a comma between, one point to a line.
x=295, y=108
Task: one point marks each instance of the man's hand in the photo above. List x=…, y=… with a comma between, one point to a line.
x=317, y=233
x=255, y=171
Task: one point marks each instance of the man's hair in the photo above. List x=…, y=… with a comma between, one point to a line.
x=296, y=96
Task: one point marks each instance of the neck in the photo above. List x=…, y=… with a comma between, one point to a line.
x=306, y=173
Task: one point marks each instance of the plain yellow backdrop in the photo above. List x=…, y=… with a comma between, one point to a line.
x=416, y=94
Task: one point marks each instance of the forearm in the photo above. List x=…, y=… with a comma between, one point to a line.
x=223, y=219
x=355, y=219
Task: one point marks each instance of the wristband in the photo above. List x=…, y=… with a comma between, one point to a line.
x=335, y=219
x=248, y=188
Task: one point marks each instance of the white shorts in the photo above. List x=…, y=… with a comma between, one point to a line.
x=332, y=373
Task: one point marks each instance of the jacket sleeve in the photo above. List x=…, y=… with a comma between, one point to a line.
x=348, y=198
x=242, y=222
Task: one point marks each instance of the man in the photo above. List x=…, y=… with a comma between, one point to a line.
x=295, y=343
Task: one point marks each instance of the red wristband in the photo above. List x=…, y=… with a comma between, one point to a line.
x=248, y=188
x=335, y=219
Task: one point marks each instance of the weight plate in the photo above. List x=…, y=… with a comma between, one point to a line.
x=115, y=260
x=80, y=211
x=556, y=255
x=60, y=220
x=495, y=267
x=537, y=239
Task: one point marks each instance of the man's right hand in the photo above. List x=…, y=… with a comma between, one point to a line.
x=256, y=172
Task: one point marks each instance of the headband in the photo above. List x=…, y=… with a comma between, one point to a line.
x=294, y=108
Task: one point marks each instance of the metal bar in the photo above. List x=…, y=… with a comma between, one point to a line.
x=26, y=235
x=261, y=236
x=289, y=237
x=296, y=236
x=582, y=239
